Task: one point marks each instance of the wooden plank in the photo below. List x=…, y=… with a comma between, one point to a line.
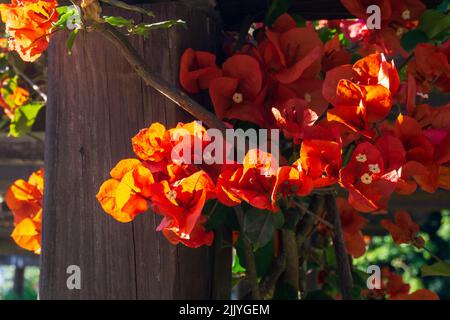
x=96, y=104
x=25, y=260
x=23, y=148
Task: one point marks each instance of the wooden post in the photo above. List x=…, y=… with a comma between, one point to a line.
x=96, y=105
x=19, y=279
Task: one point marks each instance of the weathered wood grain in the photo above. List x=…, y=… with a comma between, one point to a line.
x=96, y=105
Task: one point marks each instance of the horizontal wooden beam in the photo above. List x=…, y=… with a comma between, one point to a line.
x=27, y=260
x=22, y=150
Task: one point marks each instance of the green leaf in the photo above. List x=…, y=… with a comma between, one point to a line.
x=144, y=28
x=412, y=38
x=434, y=22
x=65, y=12
x=259, y=226
x=118, y=21
x=263, y=256
x=24, y=118
x=220, y=216
x=237, y=267
x=330, y=256
x=71, y=40
x=440, y=268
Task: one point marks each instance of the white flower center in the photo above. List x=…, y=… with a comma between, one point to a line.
x=406, y=15
x=374, y=168
x=238, y=97
x=361, y=157
x=366, y=178
x=400, y=31
x=266, y=173
x=172, y=195
x=185, y=236
x=307, y=97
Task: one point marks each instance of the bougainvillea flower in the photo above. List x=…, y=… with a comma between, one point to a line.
x=253, y=182
x=310, y=90
x=394, y=284
x=27, y=233
x=334, y=55
x=419, y=153
x=292, y=117
x=24, y=199
x=239, y=93
x=283, y=23
x=365, y=178
x=404, y=229
x=352, y=223
x=292, y=54
x=396, y=289
x=392, y=151
x=362, y=93
x=358, y=8
x=198, y=237
x=430, y=67
x=152, y=144
x=405, y=13
x=444, y=177
x=29, y=24
x=182, y=202
x=291, y=181
x=11, y=102
x=321, y=161
x=127, y=194
x=431, y=117
x=197, y=69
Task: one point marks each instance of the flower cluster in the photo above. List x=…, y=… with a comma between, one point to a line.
x=12, y=96
x=29, y=24
x=392, y=287
x=276, y=84
x=24, y=199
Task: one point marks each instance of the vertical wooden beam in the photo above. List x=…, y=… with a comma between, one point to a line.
x=96, y=105
x=19, y=280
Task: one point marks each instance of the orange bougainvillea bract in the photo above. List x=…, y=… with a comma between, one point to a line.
x=24, y=199
x=29, y=24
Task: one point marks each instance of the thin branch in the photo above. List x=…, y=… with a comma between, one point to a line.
x=250, y=269
x=316, y=216
x=291, y=274
x=306, y=225
x=432, y=254
x=155, y=81
x=34, y=86
x=342, y=260
x=268, y=283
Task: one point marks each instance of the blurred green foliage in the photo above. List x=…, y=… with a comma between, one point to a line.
x=407, y=260
x=7, y=283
